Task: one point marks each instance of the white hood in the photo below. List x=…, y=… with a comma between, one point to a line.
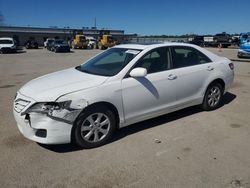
x=51, y=86
x=6, y=45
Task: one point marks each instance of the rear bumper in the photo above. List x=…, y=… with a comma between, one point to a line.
x=63, y=49
x=8, y=50
x=229, y=81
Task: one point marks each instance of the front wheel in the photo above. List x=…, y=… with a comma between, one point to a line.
x=94, y=127
x=213, y=96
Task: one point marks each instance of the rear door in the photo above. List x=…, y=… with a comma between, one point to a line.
x=192, y=68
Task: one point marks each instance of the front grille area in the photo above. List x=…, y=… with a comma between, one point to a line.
x=20, y=104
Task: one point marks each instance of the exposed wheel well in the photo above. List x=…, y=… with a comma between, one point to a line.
x=218, y=80
x=109, y=106
x=96, y=105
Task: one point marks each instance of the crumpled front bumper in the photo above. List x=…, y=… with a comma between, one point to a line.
x=39, y=127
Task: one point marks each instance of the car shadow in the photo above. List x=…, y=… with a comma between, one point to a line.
x=20, y=52
x=64, y=52
x=16, y=52
x=137, y=127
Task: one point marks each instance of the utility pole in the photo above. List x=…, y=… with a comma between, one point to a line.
x=95, y=23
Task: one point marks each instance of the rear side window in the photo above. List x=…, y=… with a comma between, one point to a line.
x=184, y=56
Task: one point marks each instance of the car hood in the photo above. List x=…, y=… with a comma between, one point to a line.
x=6, y=45
x=51, y=86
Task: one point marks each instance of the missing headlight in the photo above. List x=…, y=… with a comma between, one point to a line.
x=62, y=111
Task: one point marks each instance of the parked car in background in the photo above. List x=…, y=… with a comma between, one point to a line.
x=222, y=39
x=236, y=40
x=48, y=42
x=91, y=42
x=197, y=40
x=7, y=45
x=244, y=50
x=121, y=86
x=244, y=37
x=31, y=44
x=59, y=45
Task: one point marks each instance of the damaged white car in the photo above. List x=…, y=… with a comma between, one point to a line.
x=121, y=86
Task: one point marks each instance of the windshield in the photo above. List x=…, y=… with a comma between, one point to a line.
x=6, y=42
x=245, y=36
x=50, y=41
x=110, y=62
x=60, y=42
x=82, y=38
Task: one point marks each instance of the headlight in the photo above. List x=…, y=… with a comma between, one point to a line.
x=65, y=111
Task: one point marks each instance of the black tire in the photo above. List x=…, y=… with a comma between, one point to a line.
x=213, y=97
x=100, y=46
x=80, y=136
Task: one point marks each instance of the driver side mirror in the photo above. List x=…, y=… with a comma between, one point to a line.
x=138, y=72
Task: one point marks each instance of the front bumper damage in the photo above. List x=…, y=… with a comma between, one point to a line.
x=47, y=127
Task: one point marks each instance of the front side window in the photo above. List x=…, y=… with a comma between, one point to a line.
x=156, y=60
x=110, y=62
x=184, y=56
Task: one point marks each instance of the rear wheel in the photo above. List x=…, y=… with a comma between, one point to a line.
x=94, y=127
x=213, y=96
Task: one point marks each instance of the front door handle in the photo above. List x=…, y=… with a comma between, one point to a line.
x=210, y=68
x=172, y=77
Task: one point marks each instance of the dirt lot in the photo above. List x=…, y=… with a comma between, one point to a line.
x=194, y=148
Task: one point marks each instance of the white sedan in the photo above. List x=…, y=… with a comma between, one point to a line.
x=121, y=86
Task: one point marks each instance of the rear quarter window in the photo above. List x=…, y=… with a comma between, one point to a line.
x=184, y=56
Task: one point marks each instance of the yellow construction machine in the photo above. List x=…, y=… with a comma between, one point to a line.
x=105, y=40
x=79, y=41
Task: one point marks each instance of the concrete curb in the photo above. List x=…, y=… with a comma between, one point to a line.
x=241, y=60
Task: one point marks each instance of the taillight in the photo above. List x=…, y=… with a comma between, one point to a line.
x=231, y=65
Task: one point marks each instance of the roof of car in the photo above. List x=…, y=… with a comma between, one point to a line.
x=155, y=45
x=6, y=38
x=211, y=55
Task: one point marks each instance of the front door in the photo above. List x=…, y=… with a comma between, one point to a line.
x=146, y=97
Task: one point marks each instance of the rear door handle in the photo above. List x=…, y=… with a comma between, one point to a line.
x=172, y=77
x=209, y=68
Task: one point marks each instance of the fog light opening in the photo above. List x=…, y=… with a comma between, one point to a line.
x=41, y=133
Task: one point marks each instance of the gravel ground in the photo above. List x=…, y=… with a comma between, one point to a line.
x=188, y=148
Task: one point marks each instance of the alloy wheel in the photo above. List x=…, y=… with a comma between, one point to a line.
x=95, y=127
x=214, y=96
